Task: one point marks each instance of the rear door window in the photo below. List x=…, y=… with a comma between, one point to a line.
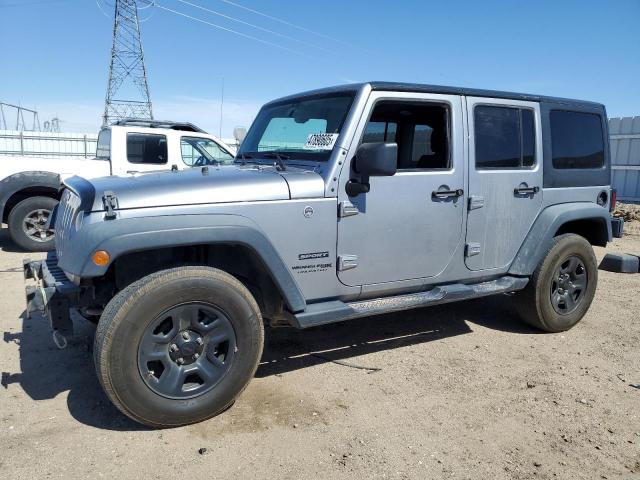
x=147, y=148
x=504, y=137
x=576, y=140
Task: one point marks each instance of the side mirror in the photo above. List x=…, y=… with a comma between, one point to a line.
x=376, y=159
x=372, y=160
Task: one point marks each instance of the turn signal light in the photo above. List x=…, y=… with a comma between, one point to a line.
x=100, y=258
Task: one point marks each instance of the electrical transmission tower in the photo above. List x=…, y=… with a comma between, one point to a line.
x=128, y=90
x=19, y=124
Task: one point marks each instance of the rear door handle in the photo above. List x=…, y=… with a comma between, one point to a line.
x=447, y=193
x=526, y=190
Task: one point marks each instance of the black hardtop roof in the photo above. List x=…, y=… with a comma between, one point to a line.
x=442, y=89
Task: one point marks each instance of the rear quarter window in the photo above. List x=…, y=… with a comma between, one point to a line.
x=577, y=140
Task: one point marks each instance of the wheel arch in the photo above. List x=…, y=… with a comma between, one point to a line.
x=240, y=260
x=229, y=242
x=586, y=219
x=20, y=186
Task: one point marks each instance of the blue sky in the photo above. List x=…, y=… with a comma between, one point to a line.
x=55, y=53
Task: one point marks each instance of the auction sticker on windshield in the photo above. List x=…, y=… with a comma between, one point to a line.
x=321, y=141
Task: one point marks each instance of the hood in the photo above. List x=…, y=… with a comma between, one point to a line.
x=215, y=184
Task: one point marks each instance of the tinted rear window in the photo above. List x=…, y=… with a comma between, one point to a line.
x=146, y=148
x=576, y=140
x=505, y=137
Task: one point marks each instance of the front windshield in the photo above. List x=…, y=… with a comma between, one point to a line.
x=302, y=129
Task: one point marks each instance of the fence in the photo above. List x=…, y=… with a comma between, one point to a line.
x=47, y=144
x=624, y=135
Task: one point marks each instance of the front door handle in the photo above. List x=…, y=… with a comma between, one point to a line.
x=447, y=193
x=526, y=190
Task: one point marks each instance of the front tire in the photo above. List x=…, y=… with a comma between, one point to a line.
x=27, y=222
x=178, y=346
x=562, y=287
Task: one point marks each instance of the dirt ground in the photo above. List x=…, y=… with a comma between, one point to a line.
x=462, y=391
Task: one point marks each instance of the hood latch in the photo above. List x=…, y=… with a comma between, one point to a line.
x=110, y=202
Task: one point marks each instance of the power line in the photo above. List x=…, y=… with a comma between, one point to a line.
x=215, y=25
x=266, y=30
x=284, y=22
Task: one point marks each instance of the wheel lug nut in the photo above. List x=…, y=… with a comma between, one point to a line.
x=199, y=341
x=196, y=355
x=174, y=347
x=185, y=335
x=180, y=361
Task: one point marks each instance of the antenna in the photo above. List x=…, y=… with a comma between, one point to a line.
x=128, y=89
x=221, y=105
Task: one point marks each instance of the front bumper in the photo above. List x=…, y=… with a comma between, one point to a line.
x=53, y=293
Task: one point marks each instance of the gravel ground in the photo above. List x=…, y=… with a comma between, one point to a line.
x=459, y=391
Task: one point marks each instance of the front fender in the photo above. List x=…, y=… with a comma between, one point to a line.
x=19, y=181
x=122, y=236
x=550, y=220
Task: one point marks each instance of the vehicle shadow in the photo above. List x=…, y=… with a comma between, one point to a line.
x=46, y=371
x=288, y=349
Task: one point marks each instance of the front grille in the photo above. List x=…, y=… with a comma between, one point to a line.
x=65, y=216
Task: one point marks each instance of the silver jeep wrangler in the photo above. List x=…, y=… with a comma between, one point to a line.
x=342, y=203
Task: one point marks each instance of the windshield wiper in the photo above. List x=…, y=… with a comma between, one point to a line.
x=243, y=158
x=280, y=157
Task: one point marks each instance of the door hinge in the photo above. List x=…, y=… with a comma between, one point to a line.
x=110, y=202
x=472, y=249
x=347, y=209
x=347, y=262
x=476, y=201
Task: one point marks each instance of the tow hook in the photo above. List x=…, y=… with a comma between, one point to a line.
x=60, y=340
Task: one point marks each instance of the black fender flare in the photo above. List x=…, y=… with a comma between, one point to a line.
x=12, y=184
x=122, y=236
x=549, y=221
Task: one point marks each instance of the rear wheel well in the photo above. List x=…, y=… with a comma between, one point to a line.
x=593, y=229
x=20, y=195
x=236, y=259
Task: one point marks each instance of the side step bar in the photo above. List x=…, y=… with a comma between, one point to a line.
x=336, y=311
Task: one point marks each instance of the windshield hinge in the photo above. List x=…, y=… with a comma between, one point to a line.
x=110, y=202
x=347, y=209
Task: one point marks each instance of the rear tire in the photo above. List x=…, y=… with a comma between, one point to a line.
x=562, y=287
x=178, y=346
x=26, y=224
